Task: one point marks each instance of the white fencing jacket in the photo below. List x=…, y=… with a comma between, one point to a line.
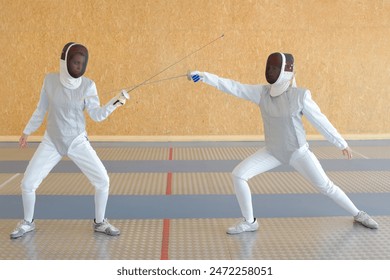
x=282, y=115
x=65, y=108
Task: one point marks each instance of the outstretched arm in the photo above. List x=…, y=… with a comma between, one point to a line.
x=245, y=91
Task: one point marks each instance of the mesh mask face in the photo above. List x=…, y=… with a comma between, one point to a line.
x=273, y=67
x=277, y=65
x=76, y=58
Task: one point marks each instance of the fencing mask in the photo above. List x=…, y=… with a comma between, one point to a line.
x=73, y=63
x=279, y=72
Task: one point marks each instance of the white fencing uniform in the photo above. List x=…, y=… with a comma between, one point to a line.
x=285, y=139
x=66, y=136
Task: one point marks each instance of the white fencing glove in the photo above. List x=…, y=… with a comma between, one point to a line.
x=121, y=98
x=195, y=76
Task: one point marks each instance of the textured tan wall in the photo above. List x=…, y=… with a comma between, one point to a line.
x=341, y=49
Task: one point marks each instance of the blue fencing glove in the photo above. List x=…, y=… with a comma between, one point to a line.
x=195, y=76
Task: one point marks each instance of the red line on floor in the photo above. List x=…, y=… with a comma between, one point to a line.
x=170, y=153
x=169, y=184
x=166, y=223
x=165, y=241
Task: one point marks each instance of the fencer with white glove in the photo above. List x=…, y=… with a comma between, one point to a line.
x=66, y=135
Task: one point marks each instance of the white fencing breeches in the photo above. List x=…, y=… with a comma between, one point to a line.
x=46, y=157
x=303, y=160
